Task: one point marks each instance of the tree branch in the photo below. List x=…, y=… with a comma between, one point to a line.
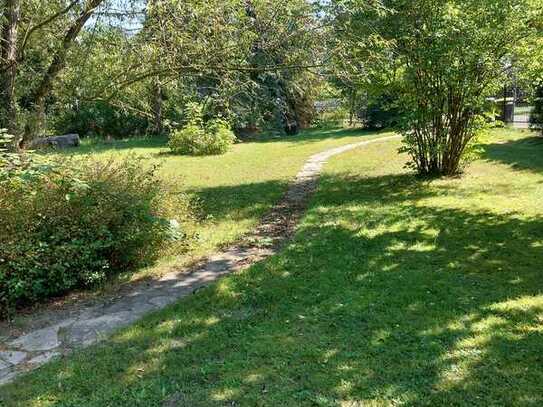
x=48, y=20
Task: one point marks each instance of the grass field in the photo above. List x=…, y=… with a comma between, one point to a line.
x=235, y=189
x=395, y=291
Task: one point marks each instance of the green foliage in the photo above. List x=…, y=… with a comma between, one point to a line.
x=199, y=138
x=9, y=160
x=260, y=96
x=381, y=112
x=528, y=62
x=536, y=117
x=134, y=64
x=332, y=118
x=99, y=119
x=72, y=225
x=418, y=49
x=14, y=164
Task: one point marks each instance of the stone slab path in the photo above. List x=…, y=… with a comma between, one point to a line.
x=82, y=326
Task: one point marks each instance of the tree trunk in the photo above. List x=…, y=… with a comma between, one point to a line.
x=158, y=99
x=352, y=102
x=11, y=15
x=57, y=64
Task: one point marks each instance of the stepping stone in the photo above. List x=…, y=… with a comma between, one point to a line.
x=85, y=332
x=40, y=340
x=13, y=357
x=162, y=301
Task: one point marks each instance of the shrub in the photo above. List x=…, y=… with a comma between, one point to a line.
x=215, y=138
x=71, y=226
x=418, y=50
x=197, y=138
x=381, y=113
x=99, y=119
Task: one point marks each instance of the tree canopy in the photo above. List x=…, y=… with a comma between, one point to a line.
x=134, y=55
x=125, y=67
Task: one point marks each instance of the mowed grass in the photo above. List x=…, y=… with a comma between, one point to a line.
x=234, y=190
x=395, y=291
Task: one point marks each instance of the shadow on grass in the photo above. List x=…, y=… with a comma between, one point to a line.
x=523, y=154
x=379, y=298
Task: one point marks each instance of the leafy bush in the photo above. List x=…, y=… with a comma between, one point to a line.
x=197, y=138
x=381, y=113
x=99, y=119
x=63, y=228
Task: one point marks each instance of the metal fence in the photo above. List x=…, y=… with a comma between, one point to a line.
x=516, y=107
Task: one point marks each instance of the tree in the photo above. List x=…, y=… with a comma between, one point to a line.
x=536, y=117
x=286, y=37
x=8, y=61
x=22, y=23
x=56, y=65
x=20, y=31
x=139, y=57
x=442, y=57
x=244, y=60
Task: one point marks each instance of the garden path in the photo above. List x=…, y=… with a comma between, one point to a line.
x=61, y=332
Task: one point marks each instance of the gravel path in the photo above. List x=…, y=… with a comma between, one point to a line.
x=79, y=327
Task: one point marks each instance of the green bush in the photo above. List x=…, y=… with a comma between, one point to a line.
x=381, y=113
x=71, y=226
x=99, y=119
x=196, y=138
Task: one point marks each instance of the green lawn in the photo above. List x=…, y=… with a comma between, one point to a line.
x=235, y=189
x=395, y=290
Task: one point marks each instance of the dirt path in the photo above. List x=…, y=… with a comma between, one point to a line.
x=58, y=333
